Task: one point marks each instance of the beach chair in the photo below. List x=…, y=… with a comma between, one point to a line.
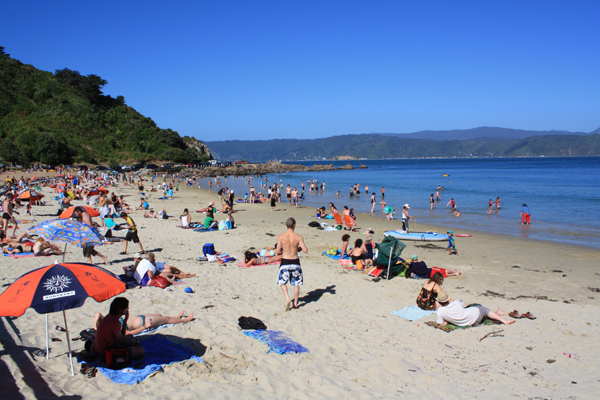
x=389, y=251
x=338, y=219
x=349, y=222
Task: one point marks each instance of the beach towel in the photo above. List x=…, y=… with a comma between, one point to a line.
x=452, y=327
x=204, y=230
x=23, y=255
x=153, y=330
x=158, y=352
x=241, y=264
x=413, y=313
x=335, y=256
x=277, y=341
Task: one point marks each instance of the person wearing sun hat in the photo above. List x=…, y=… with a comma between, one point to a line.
x=406, y=217
x=454, y=312
x=451, y=244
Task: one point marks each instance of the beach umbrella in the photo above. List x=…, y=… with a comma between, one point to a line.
x=65, y=230
x=96, y=191
x=30, y=195
x=69, y=212
x=59, y=287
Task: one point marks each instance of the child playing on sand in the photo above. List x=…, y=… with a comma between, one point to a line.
x=451, y=244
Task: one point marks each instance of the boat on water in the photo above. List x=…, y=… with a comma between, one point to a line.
x=421, y=236
x=446, y=175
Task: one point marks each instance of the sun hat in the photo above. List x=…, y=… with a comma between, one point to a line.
x=442, y=296
x=414, y=257
x=137, y=255
x=450, y=233
x=368, y=237
x=406, y=205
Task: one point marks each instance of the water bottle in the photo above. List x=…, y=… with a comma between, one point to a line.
x=572, y=355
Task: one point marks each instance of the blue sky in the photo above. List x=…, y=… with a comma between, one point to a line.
x=219, y=70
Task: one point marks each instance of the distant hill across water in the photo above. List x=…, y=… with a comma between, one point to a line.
x=476, y=142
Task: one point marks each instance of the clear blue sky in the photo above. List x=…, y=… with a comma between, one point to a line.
x=219, y=69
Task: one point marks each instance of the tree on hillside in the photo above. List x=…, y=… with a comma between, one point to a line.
x=89, y=86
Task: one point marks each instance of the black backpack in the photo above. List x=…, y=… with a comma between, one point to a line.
x=251, y=323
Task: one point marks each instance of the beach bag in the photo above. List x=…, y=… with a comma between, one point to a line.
x=314, y=224
x=117, y=358
x=209, y=248
x=222, y=225
x=251, y=323
x=159, y=281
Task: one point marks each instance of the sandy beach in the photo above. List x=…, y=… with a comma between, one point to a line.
x=358, y=348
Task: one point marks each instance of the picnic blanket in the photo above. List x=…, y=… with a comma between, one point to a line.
x=277, y=341
x=158, y=352
x=413, y=313
x=451, y=327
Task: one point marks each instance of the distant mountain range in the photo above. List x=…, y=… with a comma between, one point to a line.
x=483, y=133
x=476, y=142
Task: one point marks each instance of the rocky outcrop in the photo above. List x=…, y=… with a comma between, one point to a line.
x=198, y=145
x=263, y=169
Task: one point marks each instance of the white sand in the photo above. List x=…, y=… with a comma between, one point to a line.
x=358, y=349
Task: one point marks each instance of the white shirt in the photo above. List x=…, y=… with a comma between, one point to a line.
x=457, y=314
x=143, y=267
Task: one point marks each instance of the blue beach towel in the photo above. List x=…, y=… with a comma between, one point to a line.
x=412, y=313
x=204, y=230
x=158, y=352
x=277, y=341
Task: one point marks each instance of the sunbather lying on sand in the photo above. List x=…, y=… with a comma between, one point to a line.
x=165, y=270
x=158, y=215
x=41, y=247
x=139, y=323
x=266, y=256
x=454, y=312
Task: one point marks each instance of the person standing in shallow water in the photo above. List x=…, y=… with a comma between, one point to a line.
x=289, y=269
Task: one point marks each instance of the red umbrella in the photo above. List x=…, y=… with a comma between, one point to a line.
x=69, y=212
x=96, y=191
x=59, y=287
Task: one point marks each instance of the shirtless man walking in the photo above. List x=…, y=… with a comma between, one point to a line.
x=7, y=215
x=289, y=269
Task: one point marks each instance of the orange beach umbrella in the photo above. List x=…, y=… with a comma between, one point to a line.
x=69, y=212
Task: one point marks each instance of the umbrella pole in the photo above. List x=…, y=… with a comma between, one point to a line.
x=47, y=345
x=64, y=252
x=390, y=261
x=69, y=343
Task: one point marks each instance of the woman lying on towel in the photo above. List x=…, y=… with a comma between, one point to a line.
x=139, y=323
x=41, y=247
x=267, y=255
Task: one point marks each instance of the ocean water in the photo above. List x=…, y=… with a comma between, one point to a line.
x=563, y=194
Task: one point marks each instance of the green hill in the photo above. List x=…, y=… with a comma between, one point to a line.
x=64, y=118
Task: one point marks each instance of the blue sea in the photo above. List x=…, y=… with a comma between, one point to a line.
x=563, y=194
